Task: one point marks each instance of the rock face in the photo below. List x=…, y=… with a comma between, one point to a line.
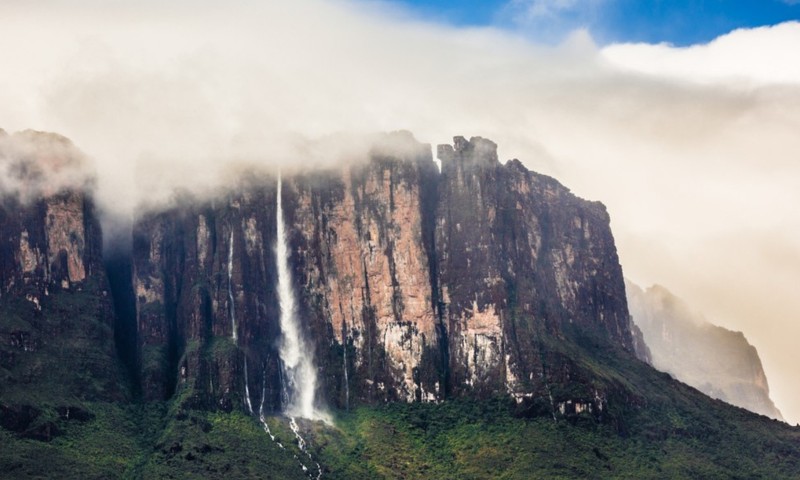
x=204, y=281
x=413, y=285
x=56, y=334
x=518, y=255
x=716, y=361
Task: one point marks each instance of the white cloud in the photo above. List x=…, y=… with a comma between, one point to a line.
x=699, y=169
x=756, y=56
x=551, y=20
x=543, y=8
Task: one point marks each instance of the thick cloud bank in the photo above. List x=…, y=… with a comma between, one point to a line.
x=693, y=150
x=35, y=164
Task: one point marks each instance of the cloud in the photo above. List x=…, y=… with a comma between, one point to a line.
x=544, y=8
x=551, y=21
x=699, y=170
x=755, y=56
x=35, y=164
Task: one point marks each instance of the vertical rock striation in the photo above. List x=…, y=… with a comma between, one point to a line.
x=56, y=334
x=363, y=266
x=196, y=266
x=518, y=256
x=412, y=285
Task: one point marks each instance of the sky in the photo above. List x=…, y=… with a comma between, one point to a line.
x=677, y=22
x=683, y=123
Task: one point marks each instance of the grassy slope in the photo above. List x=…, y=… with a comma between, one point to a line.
x=654, y=427
x=459, y=439
x=678, y=434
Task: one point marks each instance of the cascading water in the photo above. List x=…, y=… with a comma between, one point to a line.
x=247, y=388
x=299, y=375
x=299, y=379
x=232, y=311
x=346, y=379
x=231, y=307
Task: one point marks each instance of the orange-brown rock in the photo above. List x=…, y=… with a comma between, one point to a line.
x=413, y=284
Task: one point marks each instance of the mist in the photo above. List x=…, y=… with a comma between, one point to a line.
x=35, y=164
x=693, y=150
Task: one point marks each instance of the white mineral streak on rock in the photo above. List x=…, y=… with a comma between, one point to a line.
x=34, y=300
x=65, y=232
x=252, y=236
x=29, y=258
x=481, y=341
x=511, y=379
x=361, y=264
x=203, y=240
x=150, y=288
x=565, y=287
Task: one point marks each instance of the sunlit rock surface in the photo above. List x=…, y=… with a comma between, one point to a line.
x=412, y=285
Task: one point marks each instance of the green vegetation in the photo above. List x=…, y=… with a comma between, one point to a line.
x=460, y=439
x=477, y=440
x=57, y=420
x=61, y=351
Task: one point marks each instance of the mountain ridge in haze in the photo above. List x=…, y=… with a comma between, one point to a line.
x=719, y=362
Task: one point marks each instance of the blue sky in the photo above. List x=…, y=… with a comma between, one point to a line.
x=679, y=22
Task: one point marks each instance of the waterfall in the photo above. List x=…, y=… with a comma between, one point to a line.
x=300, y=377
x=261, y=417
x=247, y=388
x=231, y=308
x=346, y=379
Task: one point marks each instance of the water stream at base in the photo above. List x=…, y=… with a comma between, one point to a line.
x=301, y=443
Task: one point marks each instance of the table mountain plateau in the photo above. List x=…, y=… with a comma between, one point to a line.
x=466, y=322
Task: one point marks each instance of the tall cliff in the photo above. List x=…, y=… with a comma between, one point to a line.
x=716, y=361
x=482, y=284
x=413, y=285
x=56, y=334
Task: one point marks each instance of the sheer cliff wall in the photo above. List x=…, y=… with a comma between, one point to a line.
x=414, y=284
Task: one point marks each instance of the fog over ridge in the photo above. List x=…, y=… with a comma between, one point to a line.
x=699, y=171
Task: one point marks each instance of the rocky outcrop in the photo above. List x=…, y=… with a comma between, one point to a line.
x=718, y=362
x=56, y=337
x=413, y=285
x=518, y=256
x=206, y=305
x=51, y=236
